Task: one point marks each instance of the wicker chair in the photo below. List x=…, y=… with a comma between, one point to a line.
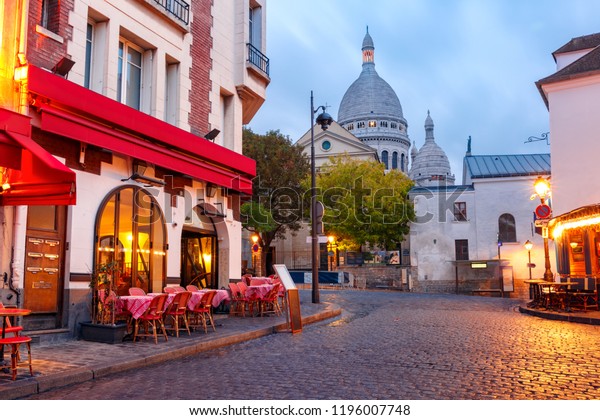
x=154, y=313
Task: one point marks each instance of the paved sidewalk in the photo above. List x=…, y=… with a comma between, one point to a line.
x=77, y=361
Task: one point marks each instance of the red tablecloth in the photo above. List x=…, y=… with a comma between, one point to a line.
x=258, y=291
x=137, y=305
x=220, y=296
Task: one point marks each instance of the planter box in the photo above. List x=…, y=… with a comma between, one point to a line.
x=101, y=333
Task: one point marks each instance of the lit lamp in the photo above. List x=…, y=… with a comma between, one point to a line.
x=528, y=245
x=255, y=250
x=331, y=252
x=324, y=120
x=542, y=190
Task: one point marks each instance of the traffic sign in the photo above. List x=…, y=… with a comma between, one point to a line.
x=543, y=211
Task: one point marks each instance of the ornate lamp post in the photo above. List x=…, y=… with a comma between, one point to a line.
x=324, y=120
x=528, y=245
x=542, y=190
x=255, y=255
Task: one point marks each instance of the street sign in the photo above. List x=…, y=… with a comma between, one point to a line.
x=543, y=211
x=541, y=223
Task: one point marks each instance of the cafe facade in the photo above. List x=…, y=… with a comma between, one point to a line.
x=571, y=95
x=121, y=141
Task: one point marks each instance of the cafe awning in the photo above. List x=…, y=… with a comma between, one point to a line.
x=75, y=112
x=30, y=175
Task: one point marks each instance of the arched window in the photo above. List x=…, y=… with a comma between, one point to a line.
x=130, y=229
x=395, y=160
x=507, y=231
x=402, y=157
x=384, y=158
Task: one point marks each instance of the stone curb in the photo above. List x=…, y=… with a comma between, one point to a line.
x=560, y=316
x=29, y=386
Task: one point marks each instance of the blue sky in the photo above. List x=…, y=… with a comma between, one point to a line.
x=472, y=63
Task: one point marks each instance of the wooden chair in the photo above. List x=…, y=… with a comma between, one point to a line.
x=149, y=318
x=178, y=310
x=587, y=298
x=270, y=303
x=179, y=289
x=239, y=303
x=203, y=311
x=136, y=291
x=253, y=302
x=192, y=288
x=169, y=289
x=10, y=329
x=14, y=343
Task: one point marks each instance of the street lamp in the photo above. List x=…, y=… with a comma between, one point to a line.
x=528, y=245
x=542, y=190
x=324, y=120
x=331, y=247
x=255, y=256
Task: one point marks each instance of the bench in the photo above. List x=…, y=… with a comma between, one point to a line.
x=479, y=291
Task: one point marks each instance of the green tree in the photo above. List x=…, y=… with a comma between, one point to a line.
x=364, y=204
x=276, y=206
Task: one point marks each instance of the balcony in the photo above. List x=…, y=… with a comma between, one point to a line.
x=178, y=9
x=258, y=59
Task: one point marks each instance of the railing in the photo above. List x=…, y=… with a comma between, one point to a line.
x=180, y=9
x=258, y=59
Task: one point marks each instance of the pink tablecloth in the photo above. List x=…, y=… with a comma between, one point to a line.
x=258, y=291
x=137, y=305
x=220, y=296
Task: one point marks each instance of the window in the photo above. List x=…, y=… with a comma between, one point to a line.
x=372, y=123
x=130, y=229
x=395, y=160
x=326, y=145
x=350, y=127
x=50, y=15
x=383, y=123
x=384, y=158
x=461, y=248
x=361, y=124
x=172, y=91
x=255, y=27
x=402, y=157
x=393, y=125
x=89, y=43
x=507, y=231
x=129, y=76
x=460, y=211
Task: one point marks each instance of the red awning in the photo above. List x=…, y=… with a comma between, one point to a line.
x=81, y=114
x=34, y=175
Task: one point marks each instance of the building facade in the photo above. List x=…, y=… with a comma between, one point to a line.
x=135, y=111
x=571, y=95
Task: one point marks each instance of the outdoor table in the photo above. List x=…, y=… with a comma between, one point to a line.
x=220, y=296
x=567, y=288
x=534, y=292
x=258, y=291
x=137, y=305
x=5, y=313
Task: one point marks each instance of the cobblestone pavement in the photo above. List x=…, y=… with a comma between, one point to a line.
x=386, y=345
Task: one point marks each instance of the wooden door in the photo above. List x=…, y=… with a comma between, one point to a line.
x=44, y=256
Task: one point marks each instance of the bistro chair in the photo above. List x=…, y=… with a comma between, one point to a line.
x=149, y=318
x=179, y=289
x=192, y=288
x=203, y=311
x=270, y=303
x=587, y=298
x=239, y=302
x=9, y=329
x=136, y=291
x=253, y=301
x=14, y=343
x=178, y=310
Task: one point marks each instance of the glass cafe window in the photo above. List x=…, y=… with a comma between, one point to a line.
x=130, y=229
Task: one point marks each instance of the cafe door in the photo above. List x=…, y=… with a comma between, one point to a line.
x=44, y=257
x=199, y=259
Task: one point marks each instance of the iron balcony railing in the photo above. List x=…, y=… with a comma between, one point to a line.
x=180, y=9
x=258, y=59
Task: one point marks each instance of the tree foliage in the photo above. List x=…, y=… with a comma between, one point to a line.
x=276, y=206
x=364, y=204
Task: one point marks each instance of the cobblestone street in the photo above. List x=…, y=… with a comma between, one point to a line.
x=386, y=345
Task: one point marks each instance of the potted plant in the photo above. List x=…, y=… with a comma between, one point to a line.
x=105, y=307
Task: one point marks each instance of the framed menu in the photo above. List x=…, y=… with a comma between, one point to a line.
x=291, y=291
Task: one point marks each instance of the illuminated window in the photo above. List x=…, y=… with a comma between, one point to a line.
x=372, y=123
x=130, y=229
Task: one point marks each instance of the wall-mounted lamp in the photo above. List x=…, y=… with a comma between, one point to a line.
x=574, y=245
x=139, y=168
x=212, y=134
x=63, y=67
x=5, y=187
x=211, y=190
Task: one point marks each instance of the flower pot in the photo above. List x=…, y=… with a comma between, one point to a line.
x=103, y=333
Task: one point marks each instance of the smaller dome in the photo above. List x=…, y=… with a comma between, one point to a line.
x=368, y=41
